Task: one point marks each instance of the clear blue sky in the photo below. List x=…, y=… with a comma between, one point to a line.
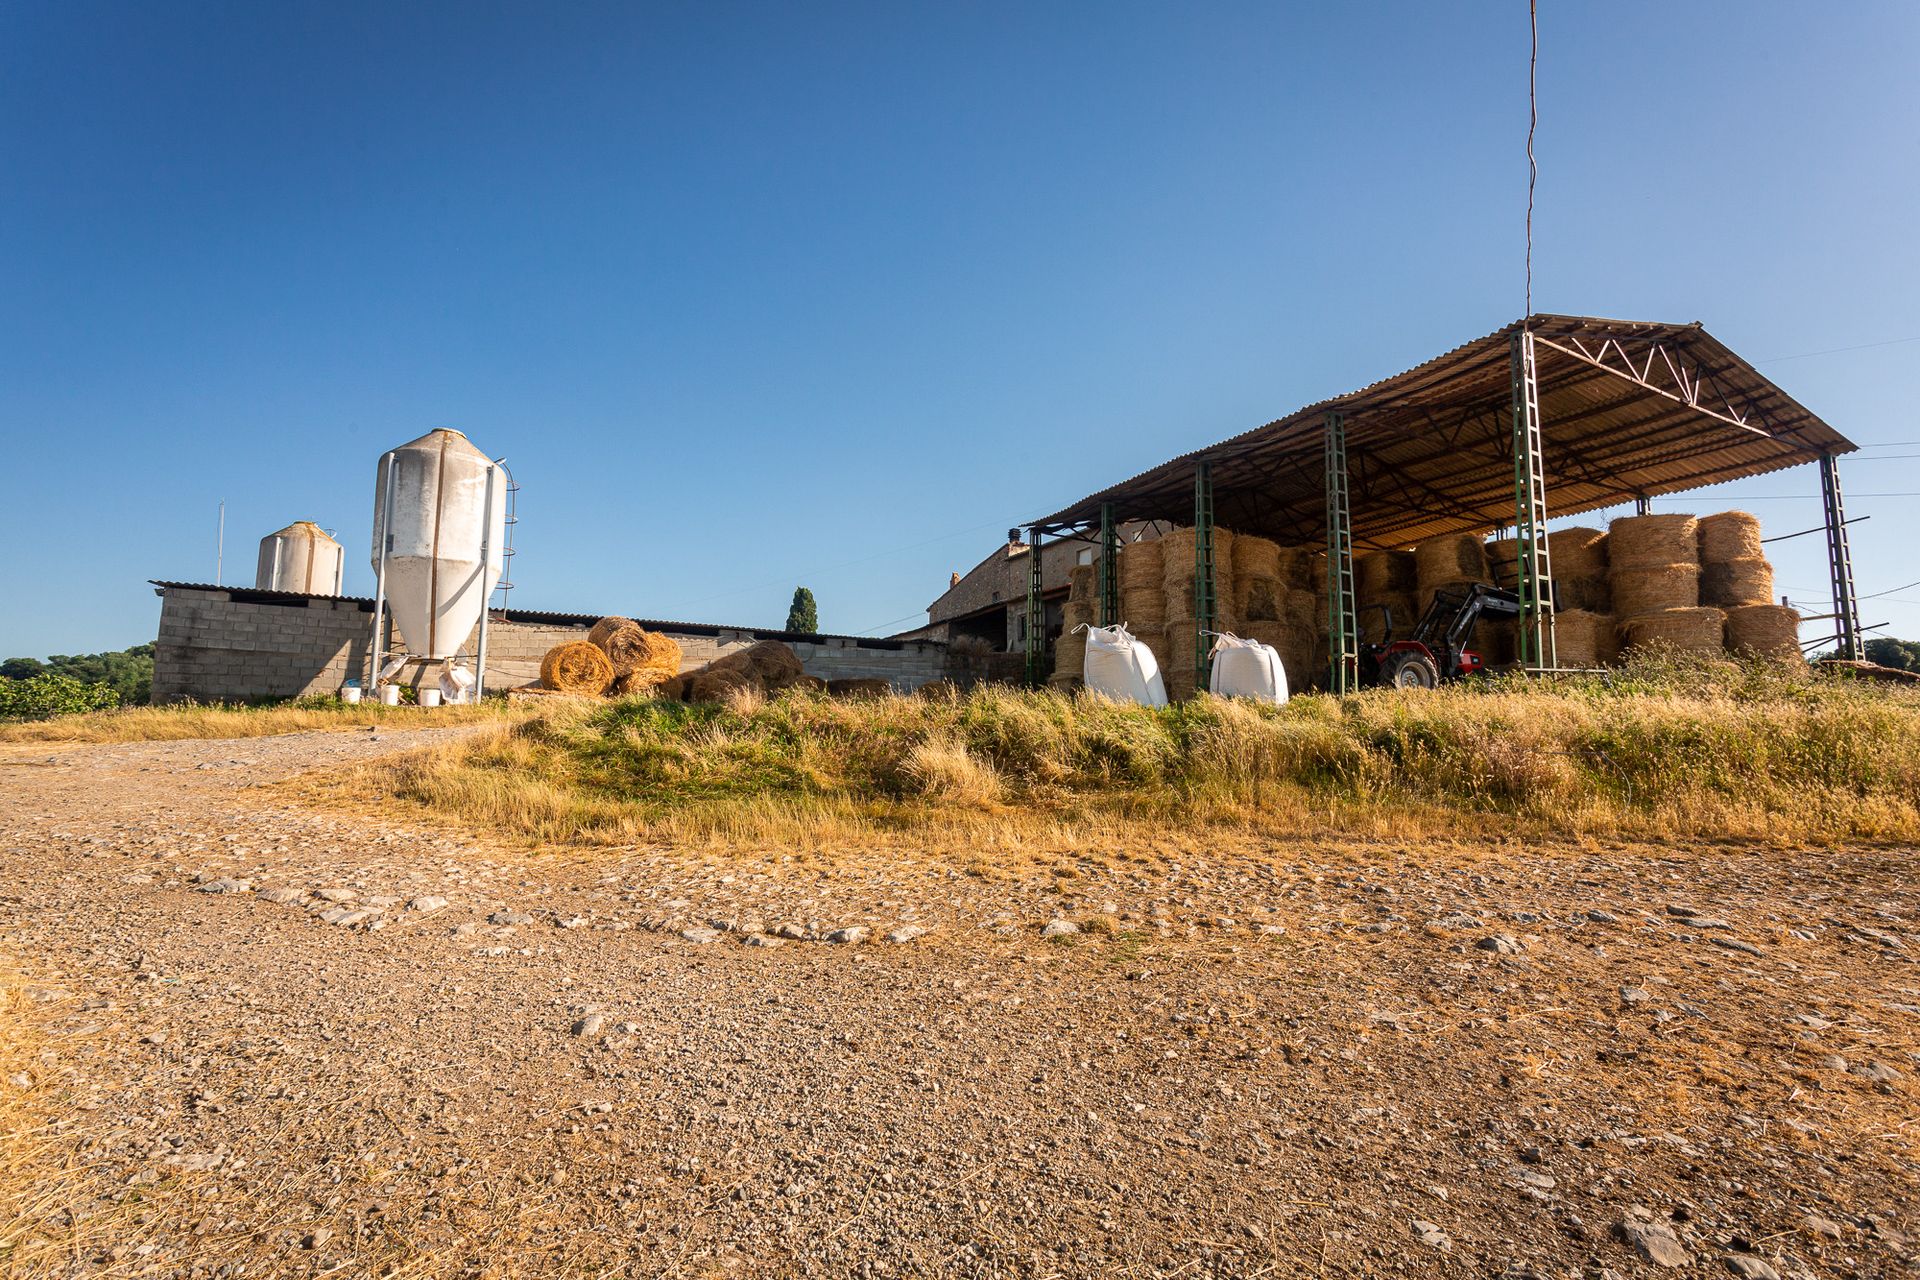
x=757, y=295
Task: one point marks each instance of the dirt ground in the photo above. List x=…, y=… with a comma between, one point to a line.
x=292, y=1040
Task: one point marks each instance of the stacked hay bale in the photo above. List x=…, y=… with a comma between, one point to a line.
x=1654, y=574
x=1734, y=572
x=1143, y=598
x=1259, y=586
x=1764, y=631
x=1070, y=650
x=1454, y=560
x=1176, y=576
x=1582, y=638
x=1580, y=570
x=1390, y=579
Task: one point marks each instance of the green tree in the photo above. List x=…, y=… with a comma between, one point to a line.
x=1888, y=652
x=802, y=615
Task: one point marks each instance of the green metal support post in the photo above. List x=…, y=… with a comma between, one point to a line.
x=1343, y=630
x=1036, y=613
x=1206, y=605
x=1535, y=569
x=1108, y=592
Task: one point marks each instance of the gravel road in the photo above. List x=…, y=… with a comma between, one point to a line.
x=293, y=1040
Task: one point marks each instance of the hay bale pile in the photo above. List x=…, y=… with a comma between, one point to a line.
x=1143, y=600
x=1580, y=570
x=1259, y=584
x=641, y=659
x=1382, y=578
x=576, y=667
x=1585, y=639
x=1070, y=650
x=1654, y=575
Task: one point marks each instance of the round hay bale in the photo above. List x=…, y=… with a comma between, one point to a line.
x=859, y=688
x=641, y=682
x=1317, y=574
x=1577, y=553
x=1729, y=535
x=1688, y=630
x=1654, y=589
x=576, y=667
x=1082, y=581
x=713, y=686
x=1456, y=557
x=1730, y=584
x=1764, y=631
x=1144, y=608
x=1295, y=565
x=630, y=647
x=1648, y=542
x=598, y=633
x=1060, y=682
x=1070, y=653
x=1255, y=557
x=1503, y=561
x=934, y=690
x=1403, y=608
x=1141, y=566
x=674, y=690
x=1380, y=573
x=1259, y=599
x=1585, y=639
x=1592, y=594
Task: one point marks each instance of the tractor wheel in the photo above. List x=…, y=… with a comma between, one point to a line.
x=1413, y=671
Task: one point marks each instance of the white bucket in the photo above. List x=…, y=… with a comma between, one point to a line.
x=389, y=695
x=350, y=695
x=429, y=697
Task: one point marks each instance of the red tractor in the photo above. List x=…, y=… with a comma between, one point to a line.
x=1437, y=650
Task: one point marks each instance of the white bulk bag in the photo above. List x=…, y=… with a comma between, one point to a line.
x=456, y=685
x=1247, y=669
x=1120, y=667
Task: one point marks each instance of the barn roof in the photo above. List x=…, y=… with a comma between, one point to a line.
x=1627, y=408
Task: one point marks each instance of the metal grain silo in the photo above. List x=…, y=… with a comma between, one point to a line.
x=439, y=526
x=302, y=558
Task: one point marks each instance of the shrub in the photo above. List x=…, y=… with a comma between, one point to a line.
x=45, y=696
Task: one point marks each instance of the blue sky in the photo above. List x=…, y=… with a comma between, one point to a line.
x=755, y=295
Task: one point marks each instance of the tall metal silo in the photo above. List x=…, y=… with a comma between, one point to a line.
x=303, y=558
x=439, y=535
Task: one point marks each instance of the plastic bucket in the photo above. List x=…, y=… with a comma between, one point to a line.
x=390, y=695
x=350, y=694
x=429, y=697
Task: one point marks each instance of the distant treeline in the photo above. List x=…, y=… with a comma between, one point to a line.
x=128, y=672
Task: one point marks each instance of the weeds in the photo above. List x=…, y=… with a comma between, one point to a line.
x=224, y=720
x=1665, y=747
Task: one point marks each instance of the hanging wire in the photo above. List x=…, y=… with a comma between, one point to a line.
x=1533, y=121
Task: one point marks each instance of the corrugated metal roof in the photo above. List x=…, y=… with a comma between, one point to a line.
x=255, y=594
x=1430, y=451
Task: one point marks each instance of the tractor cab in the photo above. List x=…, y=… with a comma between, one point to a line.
x=1437, y=648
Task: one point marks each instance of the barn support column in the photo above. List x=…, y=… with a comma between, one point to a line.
x=1036, y=613
x=1343, y=631
x=1535, y=570
x=1107, y=591
x=1846, y=606
x=1206, y=604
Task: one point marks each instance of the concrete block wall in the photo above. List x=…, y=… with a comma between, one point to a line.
x=213, y=648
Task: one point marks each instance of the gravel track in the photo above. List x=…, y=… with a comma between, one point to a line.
x=302, y=1041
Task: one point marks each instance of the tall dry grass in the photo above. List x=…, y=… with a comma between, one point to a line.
x=233, y=720
x=1665, y=747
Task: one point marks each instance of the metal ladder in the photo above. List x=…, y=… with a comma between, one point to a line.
x=1535, y=568
x=1846, y=607
x=1206, y=604
x=1343, y=638
x=1036, y=613
x=1108, y=587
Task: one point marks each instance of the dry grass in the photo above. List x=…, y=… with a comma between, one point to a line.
x=1668, y=747
x=217, y=720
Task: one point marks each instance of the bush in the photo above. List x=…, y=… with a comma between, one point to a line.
x=43, y=697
